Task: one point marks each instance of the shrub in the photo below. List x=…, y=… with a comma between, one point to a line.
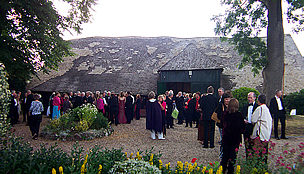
x=242, y=93
x=84, y=122
x=295, y=101
x=4, y=102
x=134, y=166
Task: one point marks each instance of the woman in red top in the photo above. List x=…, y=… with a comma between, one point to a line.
x=56, y=106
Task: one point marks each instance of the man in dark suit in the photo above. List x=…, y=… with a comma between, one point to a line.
x=180, y=107
x=28, y=103
x=247, y=112
x=78, y=100
x=208, y=105
x=13, y=111
x=114, y=108
x=129, y=107
x=277, y=110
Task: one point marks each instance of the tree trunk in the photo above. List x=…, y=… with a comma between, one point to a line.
x=274, y=70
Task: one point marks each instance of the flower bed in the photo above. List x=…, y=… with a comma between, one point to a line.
x=19, y=157
x=81, y=123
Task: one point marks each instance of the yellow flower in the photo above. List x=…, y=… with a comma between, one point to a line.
x=238, y=169
x=198, y=168
x=131, y=156
x=61, y=170
x=99, y=169
x=195, y=165
x=211, y=171
x=266, y=173
x=83, y=169
x=160, y=164
x=219, y=170
x=137, y=155
x=151, y=157
x=167, y=166
x=204, y=169
x=53, y=171
x=126, y=154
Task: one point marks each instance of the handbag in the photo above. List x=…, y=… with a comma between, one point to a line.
x=175, y=113
x=214, y=116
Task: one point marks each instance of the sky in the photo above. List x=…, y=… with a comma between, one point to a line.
x=153, y=18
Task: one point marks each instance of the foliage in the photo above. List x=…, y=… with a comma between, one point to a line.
x=244, y=21
x=295, y=101
x=18, y=157
x=242, y=93
x=257, y=155
x=291, y=160
x=31, y=34
x=4, y=102
x=84, y=122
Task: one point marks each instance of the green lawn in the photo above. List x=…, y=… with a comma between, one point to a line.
x=294, y=126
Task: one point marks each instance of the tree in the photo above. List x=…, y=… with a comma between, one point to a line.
x=243, y=23
x=31, y=34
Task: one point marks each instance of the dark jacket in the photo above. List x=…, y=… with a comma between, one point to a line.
x=29, y=100
x=169, y=103
x=154, y=116
x=245, y=110
x=208, y=105
x=129, y=102
x=78, y=101
x=179, y=103
x=113, y=103
x=233, y=127
x=274, y=108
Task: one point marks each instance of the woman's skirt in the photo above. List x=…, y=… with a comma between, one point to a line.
x=56, y=112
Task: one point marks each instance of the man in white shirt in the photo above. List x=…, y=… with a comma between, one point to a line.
x=247, y=112
x=278, y=112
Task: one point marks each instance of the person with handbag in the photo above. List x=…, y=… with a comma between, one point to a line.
x=261, y=133
x=233, y=127
x=208, y=104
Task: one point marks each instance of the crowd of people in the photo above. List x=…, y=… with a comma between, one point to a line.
x=253, y=121
x=118, y=108
x=206, y=111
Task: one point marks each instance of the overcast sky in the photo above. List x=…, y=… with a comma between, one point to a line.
x=177, y=18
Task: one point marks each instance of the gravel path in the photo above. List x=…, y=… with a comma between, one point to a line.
x=180, y=145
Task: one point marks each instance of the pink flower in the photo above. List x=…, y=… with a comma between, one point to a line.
x=280, y=157
x=289, y=168
x=282, y=164
x=236, y=149
x=292, y=150
x=270, y=149
x=241, y=145
x=285, y=152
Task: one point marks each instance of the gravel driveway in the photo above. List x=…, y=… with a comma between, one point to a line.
x=180, y=145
